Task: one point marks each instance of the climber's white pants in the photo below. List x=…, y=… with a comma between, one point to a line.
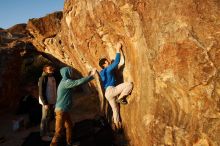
x=111, y=94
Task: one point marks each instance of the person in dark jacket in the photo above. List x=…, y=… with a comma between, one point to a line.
x=114, y=93
x=64, y=104
x=47, y=98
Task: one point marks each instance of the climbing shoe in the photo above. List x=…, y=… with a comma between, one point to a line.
x=122, y=101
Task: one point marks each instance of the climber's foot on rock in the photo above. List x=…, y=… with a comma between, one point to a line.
x=122, y=101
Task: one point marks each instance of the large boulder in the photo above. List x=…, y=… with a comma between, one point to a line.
x=17, y=32
x=44, y=32
x=171, y=54
x=43, y=28
x=20, y=66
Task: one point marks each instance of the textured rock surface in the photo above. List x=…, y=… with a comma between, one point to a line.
x=20, y=66
x=172, y=56
x=10, y=61
x=11, y=50
x=46, y=27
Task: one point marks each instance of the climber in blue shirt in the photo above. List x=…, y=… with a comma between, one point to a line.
x=114, y=93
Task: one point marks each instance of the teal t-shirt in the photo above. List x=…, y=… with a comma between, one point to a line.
x=64, y=91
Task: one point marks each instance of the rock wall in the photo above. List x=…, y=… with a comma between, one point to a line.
x=172, y=56
x=20, y=66
x=11, y=50
x=9, y=83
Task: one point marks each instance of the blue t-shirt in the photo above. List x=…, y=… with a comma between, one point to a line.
x=107, y=75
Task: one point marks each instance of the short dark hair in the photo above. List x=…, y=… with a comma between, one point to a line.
x=47, y=65
x=102, y=62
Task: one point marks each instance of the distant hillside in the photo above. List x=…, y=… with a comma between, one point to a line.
x=18, y=29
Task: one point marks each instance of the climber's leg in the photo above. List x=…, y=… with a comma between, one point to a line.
x=109, y=94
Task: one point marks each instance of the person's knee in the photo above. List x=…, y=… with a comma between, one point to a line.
x=129, y=85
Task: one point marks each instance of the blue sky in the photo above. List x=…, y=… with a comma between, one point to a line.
x=19, y=11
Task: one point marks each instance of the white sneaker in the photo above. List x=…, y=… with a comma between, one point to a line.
x=46, y=138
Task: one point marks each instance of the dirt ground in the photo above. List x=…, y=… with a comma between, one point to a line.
x=8, y=137
x=84, y=107
x=11, y=137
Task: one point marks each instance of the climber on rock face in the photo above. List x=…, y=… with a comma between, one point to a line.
x=114, y=93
